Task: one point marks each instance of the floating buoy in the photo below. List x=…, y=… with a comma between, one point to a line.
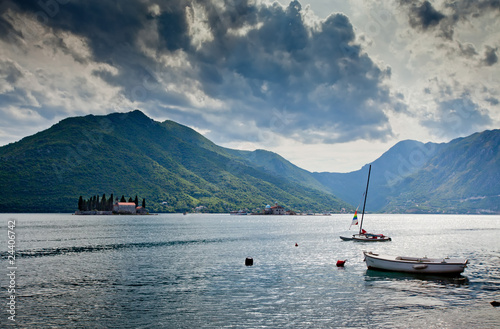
x=249, y=261
x=495, y=303
x=340, y=263
x=296, y=244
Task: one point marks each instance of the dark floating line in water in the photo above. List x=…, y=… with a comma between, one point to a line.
x=95, y=248
x=476, y=229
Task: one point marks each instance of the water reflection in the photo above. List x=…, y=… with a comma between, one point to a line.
x=377, y=275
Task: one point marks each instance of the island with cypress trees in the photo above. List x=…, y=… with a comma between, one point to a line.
x=96, y=205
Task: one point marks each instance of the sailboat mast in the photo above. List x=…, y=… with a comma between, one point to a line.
x=364, y=204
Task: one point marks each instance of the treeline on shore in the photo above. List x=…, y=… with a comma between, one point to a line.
x=103, y=204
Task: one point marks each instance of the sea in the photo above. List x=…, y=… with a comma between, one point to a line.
x=188, y=271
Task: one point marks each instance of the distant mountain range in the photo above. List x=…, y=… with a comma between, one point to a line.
x=462, y=176
x=176, y=169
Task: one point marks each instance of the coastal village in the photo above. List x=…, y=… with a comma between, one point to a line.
x=268, y=210
x=97, y=205
x=279, y=210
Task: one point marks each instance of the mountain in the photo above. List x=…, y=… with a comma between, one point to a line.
x=176, y=169
x=275, y=164
x=403, y=159
x=462, y=176
x=172, y=166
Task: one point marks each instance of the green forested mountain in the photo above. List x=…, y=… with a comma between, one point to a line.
x=172, y=166
x=276, y=165
x=176, y=169
x=462, y=176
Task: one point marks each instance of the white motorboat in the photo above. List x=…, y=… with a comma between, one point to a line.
x=443, y=266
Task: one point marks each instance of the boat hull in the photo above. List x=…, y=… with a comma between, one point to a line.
x=366, y=238
x=442, y=266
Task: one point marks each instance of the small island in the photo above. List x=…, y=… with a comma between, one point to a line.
x=103, y=206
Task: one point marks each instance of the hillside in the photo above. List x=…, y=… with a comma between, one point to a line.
x=400, y=161
x=462, y=176
x=172, y=166
x=276, y=165
x=176, y=169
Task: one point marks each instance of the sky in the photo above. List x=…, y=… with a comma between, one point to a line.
x=329, y=85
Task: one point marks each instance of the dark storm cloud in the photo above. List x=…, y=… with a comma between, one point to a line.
x=6, y=29
x=492, y=100
x=490, y=56
x=105, y=24
x=173, y=28
x=8, y=32
x=423, y=15
x=262, y=61
x=320, y=78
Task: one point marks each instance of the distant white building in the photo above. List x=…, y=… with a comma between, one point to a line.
x=275, y=210
x=199, y=208
x=278, y=210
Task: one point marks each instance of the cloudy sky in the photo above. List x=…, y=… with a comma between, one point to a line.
x=329, y=85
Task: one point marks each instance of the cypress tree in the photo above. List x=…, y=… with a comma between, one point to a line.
x=136, y=201
x=97, y=203
x=80, y=203
x=123, y=199
x=130, y=199
x=110, y=202
x=104, y=203
x=144, y=203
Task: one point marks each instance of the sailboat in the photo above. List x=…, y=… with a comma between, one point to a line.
x=363, y=235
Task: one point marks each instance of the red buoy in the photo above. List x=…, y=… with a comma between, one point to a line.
x=340, y=263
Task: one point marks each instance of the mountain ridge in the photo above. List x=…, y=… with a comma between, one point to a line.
x=174, y=167
x=177, y=169
x=461, y=176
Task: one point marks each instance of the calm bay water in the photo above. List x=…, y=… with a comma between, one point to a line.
x=175, y=271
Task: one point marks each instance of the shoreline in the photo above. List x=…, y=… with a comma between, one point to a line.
x=107, y=213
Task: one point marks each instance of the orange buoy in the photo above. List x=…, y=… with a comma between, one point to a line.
x=340, y=263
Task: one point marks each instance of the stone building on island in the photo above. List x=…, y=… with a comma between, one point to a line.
x=106, y=206
x=124, y=208
x=129, y=208
x=274, y=210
